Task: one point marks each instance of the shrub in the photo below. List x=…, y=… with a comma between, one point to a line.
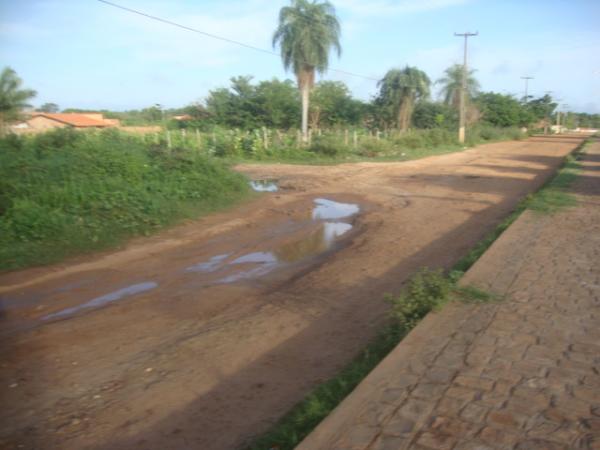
x=329, y=146
x=426, y=291
x=68, y=191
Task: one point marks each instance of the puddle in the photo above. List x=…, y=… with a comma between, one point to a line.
x=264, y=185
x=105, y=299
x=328, y=209
x=315, y=243
x=249, y=274
x=319, y=240
x=208, y=266
x=256, y=257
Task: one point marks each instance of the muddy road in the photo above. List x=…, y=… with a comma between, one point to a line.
x=202, y=336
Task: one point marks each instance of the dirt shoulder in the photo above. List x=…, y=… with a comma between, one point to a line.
x=191, y=363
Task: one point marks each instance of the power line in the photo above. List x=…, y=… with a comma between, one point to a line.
x=220, y=38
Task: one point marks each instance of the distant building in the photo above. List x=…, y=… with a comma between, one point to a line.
x=183, y=117
x=48, y=121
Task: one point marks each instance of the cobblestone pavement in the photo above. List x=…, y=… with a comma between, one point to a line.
x=521, y=373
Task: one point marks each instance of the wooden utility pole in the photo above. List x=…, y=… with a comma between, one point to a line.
x=526, y=86
x=463, y=91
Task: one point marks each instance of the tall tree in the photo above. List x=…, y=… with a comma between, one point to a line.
x=13, y=99
x=451, y=85
x=400, y=89
x=306, y=33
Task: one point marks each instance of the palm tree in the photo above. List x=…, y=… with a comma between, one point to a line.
x=306, y=33
x=12, y=98
x=452, y=84
x=400, y=89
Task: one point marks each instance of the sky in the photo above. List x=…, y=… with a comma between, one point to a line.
x=87, y=54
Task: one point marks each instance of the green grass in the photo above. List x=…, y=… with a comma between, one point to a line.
x=426, y=291
x=555, y=196
x=67, y=192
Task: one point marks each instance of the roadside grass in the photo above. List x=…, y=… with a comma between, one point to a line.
x=554, y=195
x=426, y=291
x=69, y=192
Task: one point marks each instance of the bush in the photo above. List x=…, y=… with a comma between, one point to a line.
x=329, y=146
x=68, y=191
x=426, y=291
x=371, y=147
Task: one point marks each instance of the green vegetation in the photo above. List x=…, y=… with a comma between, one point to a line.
x=399, y=90
x=68, y=192
x=12, y=97
x=329, y=146
x=554, y=195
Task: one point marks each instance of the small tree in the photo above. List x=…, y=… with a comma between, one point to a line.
x=451, y=85
x=400, y=89
x=13, y=99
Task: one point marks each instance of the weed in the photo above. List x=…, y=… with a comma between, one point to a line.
x=473, y=294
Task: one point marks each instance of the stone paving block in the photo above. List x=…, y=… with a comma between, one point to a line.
x=498, y=438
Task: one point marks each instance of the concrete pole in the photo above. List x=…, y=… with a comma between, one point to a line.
x=463, y=91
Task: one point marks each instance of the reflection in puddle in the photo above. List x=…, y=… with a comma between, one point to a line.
x=328, y=209
x=247, y=274
x=208, y=266
x=315, y=243
x=264, y=185
x=256, y=257
x=105, y=299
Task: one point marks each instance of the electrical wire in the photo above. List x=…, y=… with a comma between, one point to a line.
x=220, y=38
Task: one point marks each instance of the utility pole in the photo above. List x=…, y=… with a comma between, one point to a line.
x=526, y=85
x=463, y=93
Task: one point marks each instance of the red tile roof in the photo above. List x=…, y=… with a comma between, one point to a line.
x=74, y=119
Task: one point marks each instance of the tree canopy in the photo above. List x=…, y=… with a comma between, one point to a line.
x=13, y=98
x=399, y=90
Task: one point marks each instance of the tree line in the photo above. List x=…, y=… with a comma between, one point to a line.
x=306, y=33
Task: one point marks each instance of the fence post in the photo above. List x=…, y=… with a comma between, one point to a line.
x=355, y=139
x=309, y=136
x=299, y=138
x=265, y=137
x=377, y=134
x=169, y=139
x=346, y=136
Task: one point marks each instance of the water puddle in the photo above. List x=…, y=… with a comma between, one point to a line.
x=328, y=209
x=105, y=299
x=326, y=216
x=208, y=266
x=264, y=185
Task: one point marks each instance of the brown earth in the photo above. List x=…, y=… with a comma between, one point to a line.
x=204, y=360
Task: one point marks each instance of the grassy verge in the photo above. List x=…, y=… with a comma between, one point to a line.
x=66, y=192
x=425, y=291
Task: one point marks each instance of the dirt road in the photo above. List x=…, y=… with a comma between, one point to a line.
x=202, y=336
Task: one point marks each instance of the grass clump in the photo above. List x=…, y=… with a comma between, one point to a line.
x=554, y=196
x=67, y=192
